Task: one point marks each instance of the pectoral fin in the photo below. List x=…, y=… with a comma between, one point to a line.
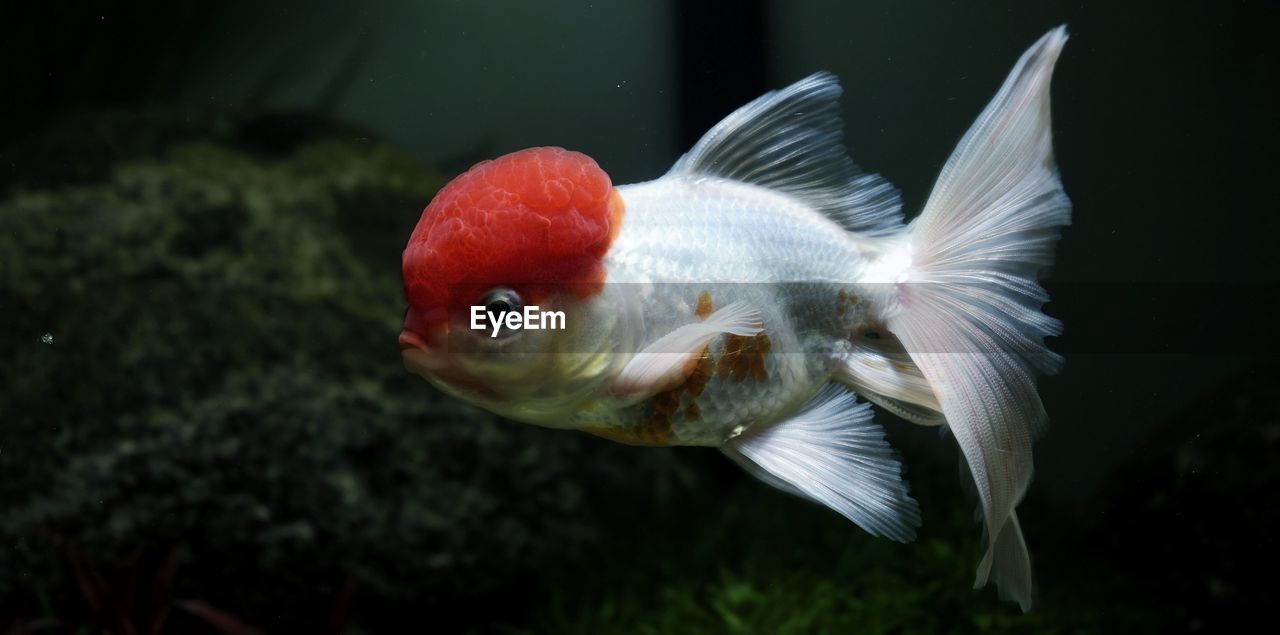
x=668, y=361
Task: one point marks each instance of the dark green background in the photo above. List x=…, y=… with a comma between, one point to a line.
x=205, y=202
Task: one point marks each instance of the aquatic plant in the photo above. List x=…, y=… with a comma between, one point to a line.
x=759, y=561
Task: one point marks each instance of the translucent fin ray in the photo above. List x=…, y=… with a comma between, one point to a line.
x=883, y=373
x=791, y=140
x=1008, y=563
x=969, y=308
x=832, y=452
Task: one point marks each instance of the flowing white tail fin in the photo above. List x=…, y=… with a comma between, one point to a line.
x=968, y=306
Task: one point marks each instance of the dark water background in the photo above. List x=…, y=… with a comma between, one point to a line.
x=1156, y=476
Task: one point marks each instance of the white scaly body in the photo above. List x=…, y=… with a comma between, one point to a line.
x=736, y=242
x=938, y=321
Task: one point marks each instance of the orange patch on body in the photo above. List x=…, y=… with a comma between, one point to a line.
x=695, y=384
x=741, y=358
x=654, y=431
x=844, y=300
x=704, y=306
x=617, y=209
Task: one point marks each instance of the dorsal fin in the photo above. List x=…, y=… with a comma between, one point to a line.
x=791, y=140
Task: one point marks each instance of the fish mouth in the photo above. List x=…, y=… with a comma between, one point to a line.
x=418, y=356
x=412, y=341
x=421, y=359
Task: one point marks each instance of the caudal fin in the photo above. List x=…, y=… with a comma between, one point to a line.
x=969, y=307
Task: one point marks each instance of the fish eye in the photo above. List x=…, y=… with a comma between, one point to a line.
x=497, y=303
x=500, y=300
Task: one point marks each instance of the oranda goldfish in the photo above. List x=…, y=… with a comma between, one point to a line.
x=746, y=298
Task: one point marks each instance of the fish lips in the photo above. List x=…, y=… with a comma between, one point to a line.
x=418, y=356
x=421, y=357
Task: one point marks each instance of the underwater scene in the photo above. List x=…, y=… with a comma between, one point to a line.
x=638, y=317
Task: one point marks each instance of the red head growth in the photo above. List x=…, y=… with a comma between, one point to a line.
x=530, y=220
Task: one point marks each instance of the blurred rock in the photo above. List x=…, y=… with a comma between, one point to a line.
x=222, y=374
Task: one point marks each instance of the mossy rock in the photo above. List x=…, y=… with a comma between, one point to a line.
x=199, y=350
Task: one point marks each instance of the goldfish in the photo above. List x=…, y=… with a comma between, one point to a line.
x=761, y=297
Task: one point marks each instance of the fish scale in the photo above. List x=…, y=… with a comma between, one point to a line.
x=771, y=251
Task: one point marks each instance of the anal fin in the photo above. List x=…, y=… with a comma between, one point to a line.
x=884, y=374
